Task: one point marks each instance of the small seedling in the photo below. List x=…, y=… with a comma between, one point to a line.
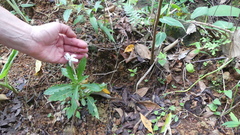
x=234, y=123
x=133, y=72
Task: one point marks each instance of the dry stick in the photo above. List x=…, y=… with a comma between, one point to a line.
x=155, y=29
x=171, y=45
x=141, y=79
x=221, y=67
x=210, y=25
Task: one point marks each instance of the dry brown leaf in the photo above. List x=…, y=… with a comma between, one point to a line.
x=3, y=97
x=120, y=111
x=191, y=55
x=131, y=57
x=169, y=78
x=147, y=123
x=142, y=91
x=232, y=49
x=202, y=86
x=143, y=51
x=150, y=105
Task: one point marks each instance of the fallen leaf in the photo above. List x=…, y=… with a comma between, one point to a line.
x=143, y=51
x=111, y=8
x=191, y=55
x=191, y=29
x=120, y=111
x=147, y=123
x=150, y=105
x=167, y=123
x=142, y=91
x=202, y=86
x=169, y=78
x=106, y=91
x=129, y=48
x=3, y=97
x=38, y=65
x=131, y=57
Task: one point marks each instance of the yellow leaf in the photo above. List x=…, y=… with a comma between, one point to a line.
x=106, y=91
x=129, y=48
x=147, y=123
x=3, y=97
x=38, y=65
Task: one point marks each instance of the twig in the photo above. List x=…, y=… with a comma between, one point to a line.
x=171, y=45
x=221, y=67
x=106, y=73
x=155, y=29
x=210, y=25
x=141, y=79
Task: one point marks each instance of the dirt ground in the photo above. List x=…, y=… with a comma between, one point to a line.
x=30, y=112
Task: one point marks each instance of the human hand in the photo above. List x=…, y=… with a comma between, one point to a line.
x=53, y=40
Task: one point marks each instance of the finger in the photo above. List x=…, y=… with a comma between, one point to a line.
x=66, y=30
x=73, y=49
x=75, y=42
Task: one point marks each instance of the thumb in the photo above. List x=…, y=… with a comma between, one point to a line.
x=66, y=30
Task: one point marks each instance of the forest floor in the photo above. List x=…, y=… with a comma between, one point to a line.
x=30, y=112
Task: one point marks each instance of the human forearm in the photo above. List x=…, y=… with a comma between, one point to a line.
x=14, y=32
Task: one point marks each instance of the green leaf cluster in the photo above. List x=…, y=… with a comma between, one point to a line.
x=78, y=91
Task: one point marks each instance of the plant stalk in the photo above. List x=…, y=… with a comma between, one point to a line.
x=155, y=29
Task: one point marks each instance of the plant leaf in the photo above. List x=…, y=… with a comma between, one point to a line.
x=81, y=67
x=171, y=21
x=92, y=107
x=67, y=14
x=68, y=72
x=94, y=87
x=160, y=37
x=97, y=5
x=94, y=23
x=57, y=88
x=106, y=31
x=223, y=10
x=216, y=101
x=200, y=11
x=223, y=24
x=78, y=19
x=228, y=93
x=167, y=123
x=61, y=95
x=147, y=123
x=8, y=64
x=27, y=5
x=233, y=117
x=231, y=124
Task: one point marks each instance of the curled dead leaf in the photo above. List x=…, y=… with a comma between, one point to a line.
x=111, y=8
x=129, y=48
x=191, y=29
x=143, y=51
x=38, y=65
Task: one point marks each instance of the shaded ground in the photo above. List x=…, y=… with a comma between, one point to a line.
x=28, y=112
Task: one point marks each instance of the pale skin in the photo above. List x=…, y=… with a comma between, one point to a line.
x=48, y=42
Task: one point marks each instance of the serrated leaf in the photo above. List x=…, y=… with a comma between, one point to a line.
x=160, y=37
x=200, y=11
x=231, y=124
x=78, y=19
x=66, y=14
x=147, y=123
x=223, y=10
x=94, y=23
x=224, y=24
x=94, y=87
x=171, y=21
x=81, y=67
x=228, y=93
x=92, y=107
x=233, y=117
x=57, y=88
x=61, y=95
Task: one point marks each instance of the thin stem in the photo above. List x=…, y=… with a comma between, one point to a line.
x=155, y=29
